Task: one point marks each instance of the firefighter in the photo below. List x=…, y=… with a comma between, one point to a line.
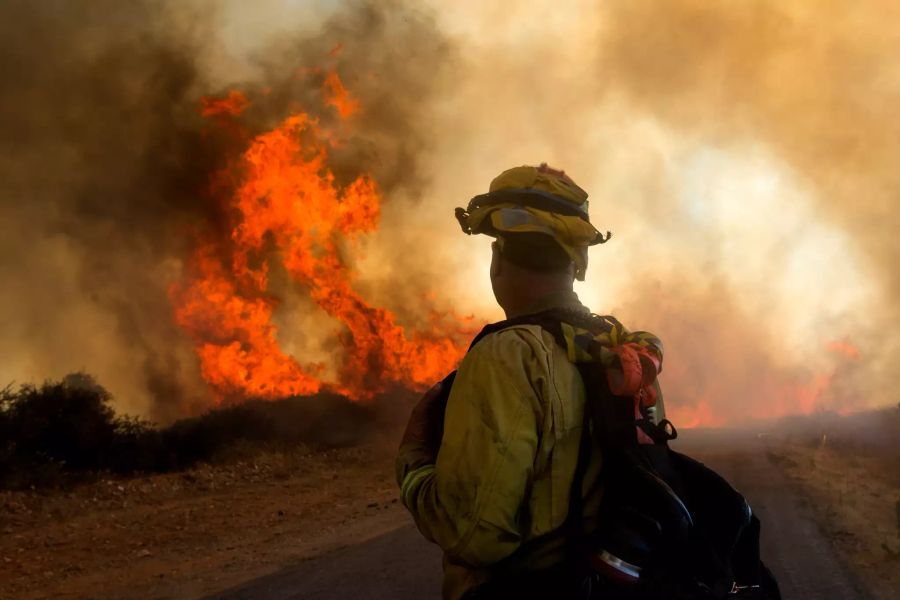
x=487, y=462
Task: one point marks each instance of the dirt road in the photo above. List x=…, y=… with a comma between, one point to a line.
x=400, y=564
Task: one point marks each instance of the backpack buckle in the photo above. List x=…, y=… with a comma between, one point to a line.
x=737, y=589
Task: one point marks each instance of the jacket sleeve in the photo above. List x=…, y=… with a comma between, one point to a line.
x=470, y=502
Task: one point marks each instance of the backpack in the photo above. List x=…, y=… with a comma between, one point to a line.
x=669, y=527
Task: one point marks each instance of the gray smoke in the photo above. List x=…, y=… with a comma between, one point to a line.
x=106, y=168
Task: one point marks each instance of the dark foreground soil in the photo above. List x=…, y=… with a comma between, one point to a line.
x=401, y=565
x=189, y=534
x=854, y=494
x=294, y=523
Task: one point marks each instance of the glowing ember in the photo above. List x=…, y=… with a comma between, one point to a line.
x=288, y=205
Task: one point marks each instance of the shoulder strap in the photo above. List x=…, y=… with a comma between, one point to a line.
x=551, y=320
x=574, y=523
x=724, y=520
x=616, y=422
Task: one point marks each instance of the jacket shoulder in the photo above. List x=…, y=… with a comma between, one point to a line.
x=515, y=336
x=514, y=346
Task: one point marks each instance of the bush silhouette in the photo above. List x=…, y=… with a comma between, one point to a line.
x=52, y=433
x=66, y=425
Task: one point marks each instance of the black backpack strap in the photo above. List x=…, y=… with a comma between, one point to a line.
x=720, y=558
x=612, y=418
x=551, y=320
x=574, y=523
x=573, y=527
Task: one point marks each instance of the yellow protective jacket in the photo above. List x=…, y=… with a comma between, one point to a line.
x=499, y=491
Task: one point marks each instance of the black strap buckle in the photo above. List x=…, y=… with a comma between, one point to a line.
x=661, y=432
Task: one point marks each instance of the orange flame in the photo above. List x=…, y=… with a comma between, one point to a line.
x=779, y=394
x=337, y=95
x=232, y=105
x=287, y=203
x=845, y=348
x=234, y=335
x=690, y=417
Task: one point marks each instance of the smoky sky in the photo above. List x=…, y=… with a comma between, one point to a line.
x=817, y=86
x=743, y=156
x=743, y=153
x=107, y=163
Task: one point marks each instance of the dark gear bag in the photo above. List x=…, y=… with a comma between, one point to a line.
x=669, y=527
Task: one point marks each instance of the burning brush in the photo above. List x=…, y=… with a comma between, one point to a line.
x=286, y=205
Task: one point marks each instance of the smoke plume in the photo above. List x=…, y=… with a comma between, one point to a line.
x=743, y=154
x=108, y=164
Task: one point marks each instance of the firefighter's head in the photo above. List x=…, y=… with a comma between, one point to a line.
x=525, y=267
x=539, y=217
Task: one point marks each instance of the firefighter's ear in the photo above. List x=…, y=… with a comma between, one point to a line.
x=496, y=262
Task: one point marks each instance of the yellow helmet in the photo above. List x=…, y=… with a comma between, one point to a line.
x=535, y=200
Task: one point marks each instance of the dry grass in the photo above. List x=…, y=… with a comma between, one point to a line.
x=101, y=506
x=853, y=483
x=188, y=534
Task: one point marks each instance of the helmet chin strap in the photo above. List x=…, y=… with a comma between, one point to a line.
x=581, y=266
x=579, y=274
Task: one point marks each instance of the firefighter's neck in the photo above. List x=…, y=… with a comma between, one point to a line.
x=518, y=290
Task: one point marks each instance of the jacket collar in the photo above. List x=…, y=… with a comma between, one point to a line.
x=562, y=299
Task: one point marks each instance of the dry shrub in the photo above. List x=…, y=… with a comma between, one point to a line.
x=60, y=432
